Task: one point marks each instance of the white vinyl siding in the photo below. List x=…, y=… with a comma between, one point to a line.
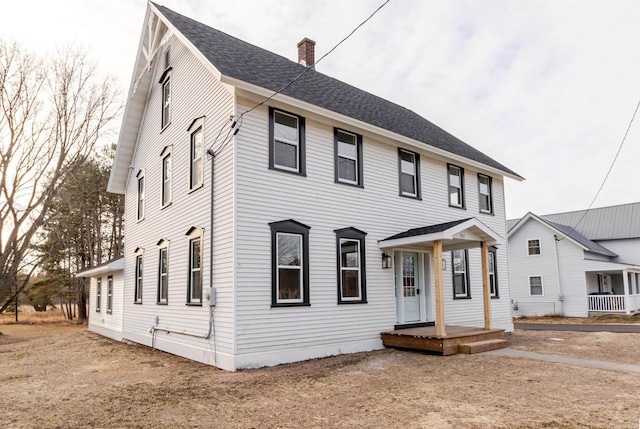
x=107, y=323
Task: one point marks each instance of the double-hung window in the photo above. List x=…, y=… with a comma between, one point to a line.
x=533, y=247
x=535, y=286
x=286, y=142
x=194, y=292
x=196, y=159
x=138, y=280
x=493, y=274
x=485, y=193
x=167, y=174
x=290, y=263
x=456, y=185
x=460, y=273
x=351, y=266
x=141, y=189
x=163, y=272
x=348, y=157
x=409, y=173
x=98, y=293
x=165, y=81
x=109, y=294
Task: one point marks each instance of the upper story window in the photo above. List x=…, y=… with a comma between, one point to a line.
x=165, y=81
x=196, y=160
x=141, y=189
x=460, y=274
x=456, y=186
x=194, y=292
x=98, y=293
x=351, y=266
x=409, y=172
x=137, y=290
x=286, y=142
x=493, y=274
x=533, y=247
x=535, y=286
x=109, y=294
x=290, y=263
x=166, y=176
x=485, y=193
x=163, y=272
x=348, y=157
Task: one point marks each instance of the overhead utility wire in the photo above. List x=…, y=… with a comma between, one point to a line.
x=225, y=142
x=610, y=167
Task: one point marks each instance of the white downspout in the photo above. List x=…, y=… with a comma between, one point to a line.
x=560, y=296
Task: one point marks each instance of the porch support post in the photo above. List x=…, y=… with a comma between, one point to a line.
x=437, y=271
x=627, y=298
x=486, y=286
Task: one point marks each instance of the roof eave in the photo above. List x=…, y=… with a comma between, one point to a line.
x=261, y=91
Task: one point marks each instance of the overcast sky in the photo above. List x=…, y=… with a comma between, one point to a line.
x=545, y=87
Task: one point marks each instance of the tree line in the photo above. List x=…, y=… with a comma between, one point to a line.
x=57, y=218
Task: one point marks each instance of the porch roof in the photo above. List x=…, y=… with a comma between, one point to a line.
x=458, y=234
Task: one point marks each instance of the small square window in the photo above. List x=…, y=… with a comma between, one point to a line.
x=534, y=247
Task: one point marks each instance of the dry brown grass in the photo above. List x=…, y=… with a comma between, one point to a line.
x=604, y=319
x=31, y=316
x=79, y=379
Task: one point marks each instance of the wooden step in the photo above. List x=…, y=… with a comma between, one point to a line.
x=482, y=346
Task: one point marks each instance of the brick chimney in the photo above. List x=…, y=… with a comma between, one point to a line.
x=306, y=52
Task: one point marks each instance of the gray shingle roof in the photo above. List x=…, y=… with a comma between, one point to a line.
x=241, y=60
x=431, y=229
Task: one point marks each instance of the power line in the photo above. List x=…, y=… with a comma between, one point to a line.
x=611, y=166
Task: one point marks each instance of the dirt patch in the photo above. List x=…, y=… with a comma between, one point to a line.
x=604, y=319
x=79, y=379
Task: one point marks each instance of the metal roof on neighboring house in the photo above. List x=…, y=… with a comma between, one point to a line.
x=603, y=223
x=591, y=245
x=248, y=63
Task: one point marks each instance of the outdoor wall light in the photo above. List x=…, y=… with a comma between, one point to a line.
x=386, y=260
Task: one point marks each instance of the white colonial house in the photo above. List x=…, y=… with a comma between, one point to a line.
x=262, y=229
x=576, y=263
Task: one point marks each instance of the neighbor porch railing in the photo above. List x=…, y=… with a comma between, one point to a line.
x=614, y=303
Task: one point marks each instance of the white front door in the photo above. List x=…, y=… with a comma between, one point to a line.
x=410, y=287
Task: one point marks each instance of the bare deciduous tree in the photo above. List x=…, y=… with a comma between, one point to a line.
x=52, y=113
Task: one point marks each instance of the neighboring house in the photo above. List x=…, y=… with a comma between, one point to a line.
x=594, y=267
x=274, y=249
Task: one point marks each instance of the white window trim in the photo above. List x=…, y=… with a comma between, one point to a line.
x=195, y=233
x=541, y=285
x=539, y=246
x=163, y=245
x=414, y=174
x=197, y=126
x=489, y=195
x=98, y=294
x=460, y=188
x=300, y=268
x=167, y=153
x=352, y=158
x=109, y=294
x=358, y=269
x=140, y=196
x=286, y=141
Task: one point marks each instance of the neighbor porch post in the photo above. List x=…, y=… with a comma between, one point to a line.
x=627, y=298
x=437, y=272
x=486, y=286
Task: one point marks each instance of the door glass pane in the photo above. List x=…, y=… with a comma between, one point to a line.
x=408, y=275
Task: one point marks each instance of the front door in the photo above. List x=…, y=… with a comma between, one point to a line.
x=410, y=287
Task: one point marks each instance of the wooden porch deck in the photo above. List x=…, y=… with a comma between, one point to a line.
x=425, y=338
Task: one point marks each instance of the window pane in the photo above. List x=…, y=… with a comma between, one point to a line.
x=454, y=196
x=458, y=261
x=286, y=127
x=286, y=155
x=196, y=284
x=195, y=253
x=347, y=149
x=484, y=202
x=163, y=261
x=454, y=179
x=289, y=250
x=459, y=284
x=407, y=184
x=347, y=138
x=484, y=186
x=289, y=285
x=350, y=287
x=347, y=169
x=407, y=163
x=350, y=257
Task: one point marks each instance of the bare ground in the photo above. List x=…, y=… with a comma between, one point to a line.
x=603, y=319
x=60, y=375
